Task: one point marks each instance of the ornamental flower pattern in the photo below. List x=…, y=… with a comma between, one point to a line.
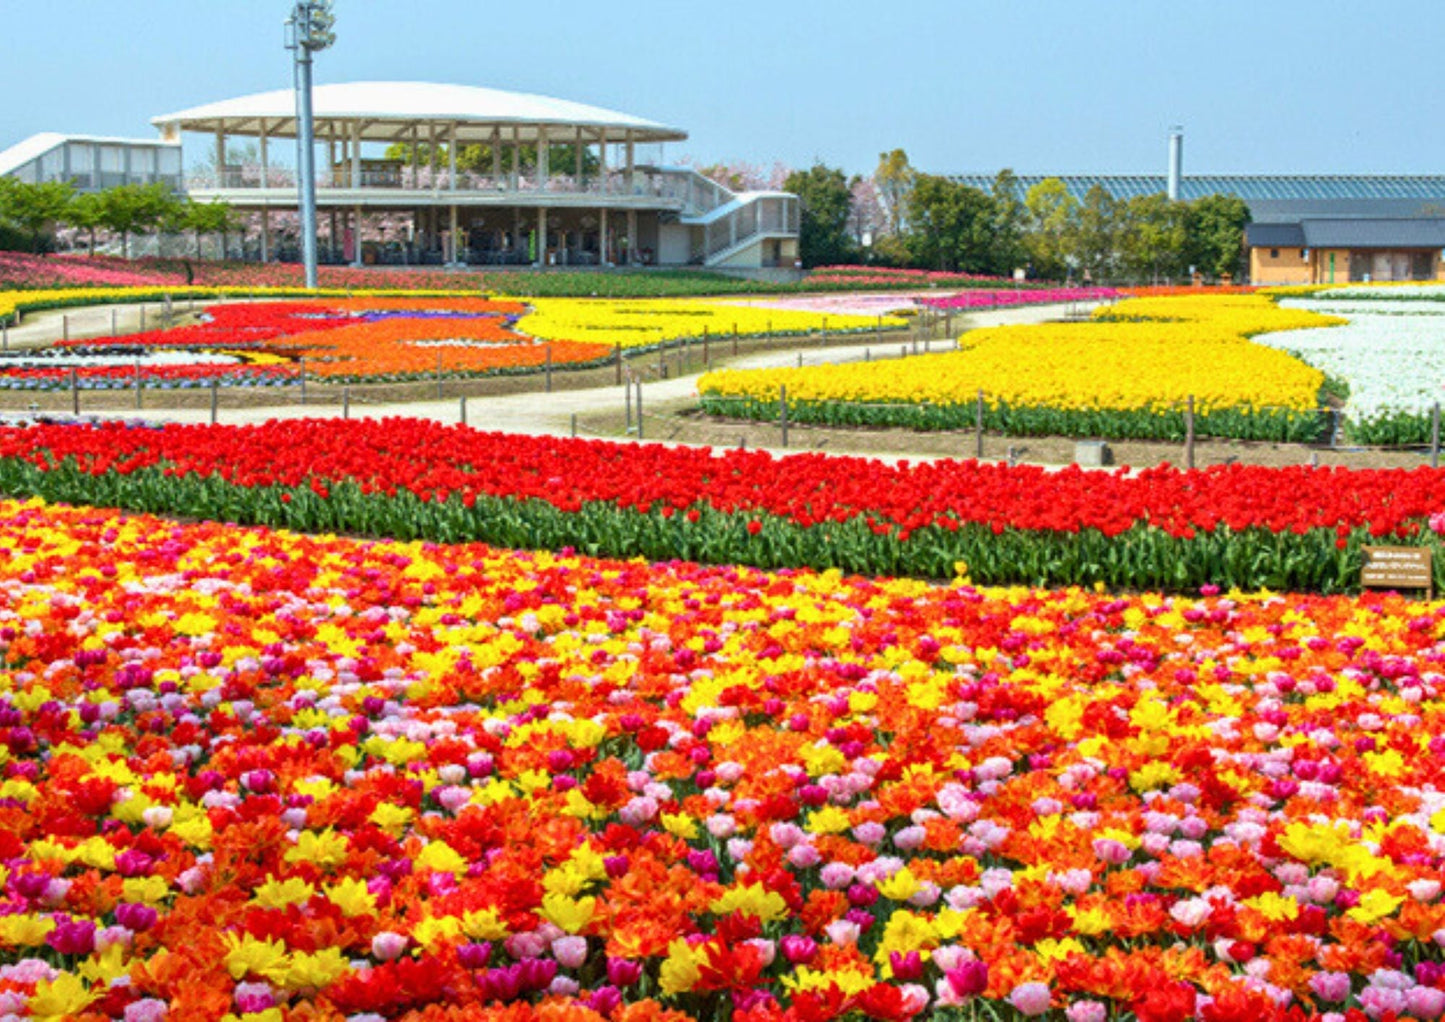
x=253, y=773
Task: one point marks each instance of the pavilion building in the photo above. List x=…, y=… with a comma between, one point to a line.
x=523, y=204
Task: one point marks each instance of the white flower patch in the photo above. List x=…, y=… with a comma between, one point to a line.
x=1391, y=352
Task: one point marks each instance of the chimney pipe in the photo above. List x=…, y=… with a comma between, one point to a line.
x=1176, y=161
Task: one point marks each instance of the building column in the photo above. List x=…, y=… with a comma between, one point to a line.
x=632, y=237
x=356, y=236
x=544, y=159
x=631, y=164
x=265, y=234
x=452, y=234
x=516, y=156
x=602, y=157
x=452, y=159
x=221, y=156
x=334, y=234
x=356, y=156
x=265, y=158
x=431, y=139
x=497, y=157
x=581, y=164
x=602, y=254
x=541, y=235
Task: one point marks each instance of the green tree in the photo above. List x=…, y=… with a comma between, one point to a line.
x=1095, y=235
x=128, y=209
x=826, y=197
x=31, y=208
x=203, y=218
x=1053, y=217
x=894, y=179
x=950, y=226
x=1215, y=229
x=1010, y=222
x=1152, y=237
x=86, y=213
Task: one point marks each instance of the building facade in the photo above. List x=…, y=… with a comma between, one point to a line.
x=540, y=182
x=523, y=204
x=93, y=163
x=1338, y=251
x=1306, y=228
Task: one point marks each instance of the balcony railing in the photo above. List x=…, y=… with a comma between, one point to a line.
x=688, y=190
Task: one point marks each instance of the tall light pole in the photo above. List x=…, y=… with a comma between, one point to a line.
x=310, y=31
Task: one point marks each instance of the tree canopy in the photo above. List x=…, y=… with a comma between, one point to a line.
x=825, y=196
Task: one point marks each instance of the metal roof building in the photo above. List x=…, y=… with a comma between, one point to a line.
x=93, y=162
x=1272, y=198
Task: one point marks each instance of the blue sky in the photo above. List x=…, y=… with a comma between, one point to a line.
x=1271, y=86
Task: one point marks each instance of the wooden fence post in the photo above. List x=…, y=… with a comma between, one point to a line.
x=978, y=426
x=1189, y=433
x=1435, y=436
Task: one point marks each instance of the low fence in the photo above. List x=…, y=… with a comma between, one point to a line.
x=140, y=387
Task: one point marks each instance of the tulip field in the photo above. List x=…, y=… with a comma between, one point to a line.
x=1233, y=526
x=1128, y=374
x=397, y=337
x=253, y=774
x=385, y=720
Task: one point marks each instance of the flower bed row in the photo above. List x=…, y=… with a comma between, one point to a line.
x=21, y=271
x=1129, y=374
x=250, y=774
x=1390, y=354
x=1250, y=527
x=990, y=298
x=409, y=337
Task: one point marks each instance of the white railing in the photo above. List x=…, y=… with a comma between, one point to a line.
x=755, y=216
x=687, y=190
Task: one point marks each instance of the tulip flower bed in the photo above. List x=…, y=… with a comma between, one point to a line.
x=388, y=338
x=1391, y=354
x=991, y=298
x=343, y=340
x=26, y=272
x=888, y=276
x=1250, y=527
x=256, y=775
x=1127, y=375
x=656, y=322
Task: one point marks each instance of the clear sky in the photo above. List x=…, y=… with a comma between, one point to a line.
x=1268, y=86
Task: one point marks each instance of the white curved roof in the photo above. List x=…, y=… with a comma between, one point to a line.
x=384, y=107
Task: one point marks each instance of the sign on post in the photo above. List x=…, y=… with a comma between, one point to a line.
x=1398, y=567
